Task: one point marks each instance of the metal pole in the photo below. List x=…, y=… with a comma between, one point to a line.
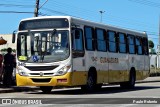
x=36, y=9
x=101, y=12
x=158, y=62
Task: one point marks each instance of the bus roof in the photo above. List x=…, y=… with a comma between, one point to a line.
x=91, y=23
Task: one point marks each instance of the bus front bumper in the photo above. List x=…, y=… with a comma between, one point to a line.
x=44, y=81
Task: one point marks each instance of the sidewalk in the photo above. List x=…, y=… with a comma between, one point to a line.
x=23, y=89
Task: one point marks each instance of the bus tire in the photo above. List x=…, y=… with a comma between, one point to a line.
x=131, y=83
x=91, y=83
x=46, y=89
x=98, y=86
x=132, y=79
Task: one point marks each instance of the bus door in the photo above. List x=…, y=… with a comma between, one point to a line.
x=79, y=74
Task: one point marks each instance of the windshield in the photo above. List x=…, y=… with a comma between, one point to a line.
x=43, y=46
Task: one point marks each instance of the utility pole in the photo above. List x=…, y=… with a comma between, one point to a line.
x=159, y=35
x=158, y=59
x=101, y=12
x=36, y=9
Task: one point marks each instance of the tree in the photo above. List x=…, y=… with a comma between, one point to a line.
x=151, y=44
x=151, y=47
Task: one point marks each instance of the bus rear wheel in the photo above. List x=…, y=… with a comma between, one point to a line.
x=131, y=83
x=46, y=89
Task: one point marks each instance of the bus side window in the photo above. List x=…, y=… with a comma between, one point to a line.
x=138, y=45
x=131, y=44
x=112, y=41
x=77, y=43
x=145, y=46
x=101, y=40
x=89, y=38
x=122, y=43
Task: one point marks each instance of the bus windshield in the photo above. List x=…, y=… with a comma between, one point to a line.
x=43, y=46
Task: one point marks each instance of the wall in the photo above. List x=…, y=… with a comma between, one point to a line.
x=8, y=38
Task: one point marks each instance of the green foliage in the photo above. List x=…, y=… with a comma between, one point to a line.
x=5, y=50
x=151, y=44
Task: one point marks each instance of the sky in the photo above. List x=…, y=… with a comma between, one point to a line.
x=138, y=15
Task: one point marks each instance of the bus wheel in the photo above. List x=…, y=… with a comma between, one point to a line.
x=131, y=83
x=91, y=83
x=46, y=89
x=98, y=86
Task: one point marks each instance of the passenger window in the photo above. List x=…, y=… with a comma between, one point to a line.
x=139, y=45
x=89, y=38
x=131, y=44
x=145, y=46
x=101, y=42
x=122, y=43
x=112, y=41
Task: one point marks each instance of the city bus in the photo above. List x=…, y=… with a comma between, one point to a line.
x=67, y=51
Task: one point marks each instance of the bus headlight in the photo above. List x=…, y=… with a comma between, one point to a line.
x=63, y=70
x=22, y=73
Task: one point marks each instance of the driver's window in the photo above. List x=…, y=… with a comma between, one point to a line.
x=77, y=43
x=23, y=45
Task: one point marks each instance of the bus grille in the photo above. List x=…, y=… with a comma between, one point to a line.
x=41, y=80
x=40, y=68
x=44, y=74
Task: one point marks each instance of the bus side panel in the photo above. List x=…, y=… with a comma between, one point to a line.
x=146, y=67
x=118, y=67
x=79, y=75
x=139, y=63
x=102, y=67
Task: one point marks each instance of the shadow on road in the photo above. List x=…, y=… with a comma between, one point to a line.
x=104, y=90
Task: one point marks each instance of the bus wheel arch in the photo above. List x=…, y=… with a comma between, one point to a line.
x=132, y=77
x=91, y=80
x=130, y=84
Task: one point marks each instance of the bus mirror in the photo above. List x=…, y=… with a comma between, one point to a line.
x=77, y=34
x=13, y=36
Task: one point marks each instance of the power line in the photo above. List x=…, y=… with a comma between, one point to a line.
x=16, y=5
x=15, y=12
x=146, y=2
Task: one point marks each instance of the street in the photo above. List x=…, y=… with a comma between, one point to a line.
x=111, y=95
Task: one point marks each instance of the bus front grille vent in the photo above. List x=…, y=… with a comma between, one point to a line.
x=40, y=68
x=44, y=74
x=41, y=80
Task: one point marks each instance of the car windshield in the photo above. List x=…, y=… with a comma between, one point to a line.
x=43, y=46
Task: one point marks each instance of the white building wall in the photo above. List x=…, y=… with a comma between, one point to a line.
x=8, y=38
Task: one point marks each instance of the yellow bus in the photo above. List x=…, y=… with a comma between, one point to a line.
x=67, y=51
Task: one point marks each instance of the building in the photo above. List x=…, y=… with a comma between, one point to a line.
x=8, y=38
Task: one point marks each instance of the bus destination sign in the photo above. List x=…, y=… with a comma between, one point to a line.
x=44, y=24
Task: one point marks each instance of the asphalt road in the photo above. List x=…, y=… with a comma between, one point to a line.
x=144, y=95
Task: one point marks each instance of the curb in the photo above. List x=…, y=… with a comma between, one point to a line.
x=25, y=89
x=147, y=81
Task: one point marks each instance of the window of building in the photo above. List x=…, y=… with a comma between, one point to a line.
x=122, y=43
x=101, y=42
x=89, y=38
x=131, y=44
x=112, y=41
